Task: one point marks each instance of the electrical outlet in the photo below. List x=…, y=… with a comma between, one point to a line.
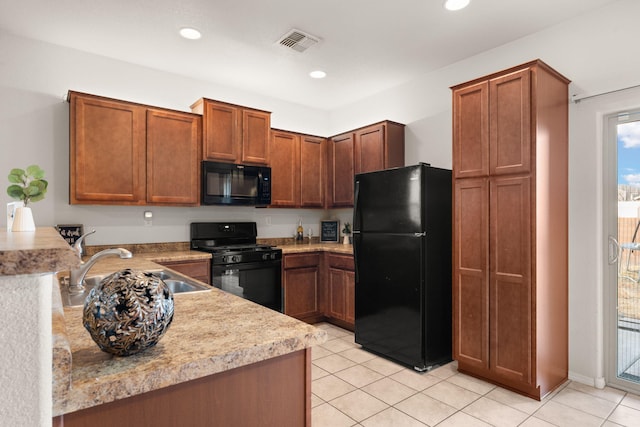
x=148, y=218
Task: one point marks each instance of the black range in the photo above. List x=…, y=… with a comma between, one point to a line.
x=239, y=265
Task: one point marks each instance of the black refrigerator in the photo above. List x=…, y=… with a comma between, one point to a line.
x=402, y=250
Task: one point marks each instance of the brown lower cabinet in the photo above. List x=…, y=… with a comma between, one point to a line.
x=272, y=393
x=341, y=287
x=199, y=270
x=319, y=286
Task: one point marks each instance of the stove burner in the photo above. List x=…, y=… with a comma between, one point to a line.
x=231, y=243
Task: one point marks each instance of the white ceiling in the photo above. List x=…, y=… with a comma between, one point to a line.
x=366, y=45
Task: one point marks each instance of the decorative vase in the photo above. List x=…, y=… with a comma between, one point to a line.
x=128, y=312
x=345, y=239
x=23, y=219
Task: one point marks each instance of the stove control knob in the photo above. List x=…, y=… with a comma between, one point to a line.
x=265, y=256
x=235, y=258
x=273, y=255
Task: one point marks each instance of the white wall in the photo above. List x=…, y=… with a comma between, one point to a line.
x=34, y=80
x=595, y=51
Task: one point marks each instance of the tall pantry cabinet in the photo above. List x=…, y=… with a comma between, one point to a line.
x=510, y=286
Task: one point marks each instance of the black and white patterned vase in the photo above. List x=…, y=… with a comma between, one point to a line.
x=128, y=312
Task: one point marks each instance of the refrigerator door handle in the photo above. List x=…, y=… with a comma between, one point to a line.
x=356, y=216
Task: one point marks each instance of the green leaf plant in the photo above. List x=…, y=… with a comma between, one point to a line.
x=27, y=185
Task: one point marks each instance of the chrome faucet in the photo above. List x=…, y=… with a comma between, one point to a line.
x=76, y=276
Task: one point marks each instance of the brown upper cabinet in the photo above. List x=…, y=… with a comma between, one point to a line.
x=510, y=238
x=232, y=133
x=371, y=148
x=297, y=170
x=495, y=135
x=132, y=154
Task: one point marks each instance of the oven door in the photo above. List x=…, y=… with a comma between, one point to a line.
x=259, y=282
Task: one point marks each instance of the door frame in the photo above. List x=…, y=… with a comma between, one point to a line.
x=611, y=250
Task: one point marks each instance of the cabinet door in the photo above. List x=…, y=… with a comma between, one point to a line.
x=256, y=126
x=173, y=158
x=337, y=294
x=301, y=291
x=471, y=131
x=510, y=278
x=285, y=169
x=471, y=272
x=341, y=152
x=221, y=132
x=370, y=149
x=350, y=297
x=312, y=172
x=510, y=123
x=107, y=150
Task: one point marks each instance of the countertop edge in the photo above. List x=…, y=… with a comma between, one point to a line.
x=34, y=252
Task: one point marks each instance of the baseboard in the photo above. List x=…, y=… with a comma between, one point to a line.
x=583, y=379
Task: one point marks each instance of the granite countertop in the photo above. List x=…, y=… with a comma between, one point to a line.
x=317, y=247
x=212, y=331
x=32, y=252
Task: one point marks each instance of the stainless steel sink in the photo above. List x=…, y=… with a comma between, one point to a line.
x=175, y=281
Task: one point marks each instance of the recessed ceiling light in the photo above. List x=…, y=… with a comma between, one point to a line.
x=456, y=4
x=318, y=74
x=190, y=33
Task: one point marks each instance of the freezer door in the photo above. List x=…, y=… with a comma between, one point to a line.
x=389, y=286
x=389, y=200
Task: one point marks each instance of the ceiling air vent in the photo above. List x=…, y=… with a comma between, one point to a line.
x=298, y=40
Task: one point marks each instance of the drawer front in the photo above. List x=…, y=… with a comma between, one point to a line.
x=190, y=268
x=301, y=260
x=343, y=262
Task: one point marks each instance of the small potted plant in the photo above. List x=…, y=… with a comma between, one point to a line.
x=28, y=186
x=346, y=232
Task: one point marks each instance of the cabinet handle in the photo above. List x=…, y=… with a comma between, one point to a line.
x=614, y=250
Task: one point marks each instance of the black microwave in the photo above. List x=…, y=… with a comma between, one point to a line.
x=232, y=184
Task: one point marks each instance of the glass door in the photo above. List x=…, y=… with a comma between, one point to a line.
x=622, y=153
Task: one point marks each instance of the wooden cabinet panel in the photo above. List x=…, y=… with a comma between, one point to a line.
x=199, y=270
x=350, y=297
x=369, y=149
x=256, y=126
x=285, y=169
x=471, y=131
x=274, y=392
x=342, y=172
x=471, y=272
x=379, y=146
x=220, y=132
x=301, y=292
x=341, y=290
x=232, y=133
x=132, y=154
x=375, y=147
x=510, y=239
x=337, y=294
x=297, y=170
x=510, y=123
x=107, y=151
x=312, y=171
x=510, y=278
x=301, y=284
x=173, y=156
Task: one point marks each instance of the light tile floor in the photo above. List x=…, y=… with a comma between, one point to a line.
x=352, y=387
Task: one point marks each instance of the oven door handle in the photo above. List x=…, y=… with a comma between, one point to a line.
x=248, y=265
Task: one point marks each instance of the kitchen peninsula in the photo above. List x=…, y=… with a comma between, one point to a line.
x=223, y=361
